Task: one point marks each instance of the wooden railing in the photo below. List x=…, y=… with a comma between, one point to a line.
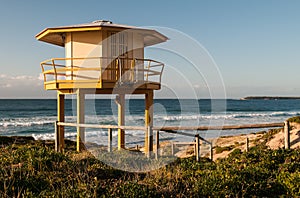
x=196, y=143
x=122, y=70
x=179, y=131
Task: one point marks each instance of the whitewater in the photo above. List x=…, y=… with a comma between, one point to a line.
x=37, y=117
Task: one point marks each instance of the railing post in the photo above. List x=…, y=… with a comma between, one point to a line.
x=247, y=144
x=287, y=135
x=132, y=70
x=211, y=151
x=109, y=149
x=157, y=144
x=56, y=137
x=150, y=141
x=197, y=147
x=120, y=70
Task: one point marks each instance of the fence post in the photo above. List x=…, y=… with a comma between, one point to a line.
x=57, y=147
x=157, y=144
x=149, y=143
x=172, y=148
x=109, y=149
x=211, y=151
x=247, y=144
x=197, y=148
x=287, y=135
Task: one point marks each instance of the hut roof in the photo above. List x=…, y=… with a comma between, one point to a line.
x=55, y=35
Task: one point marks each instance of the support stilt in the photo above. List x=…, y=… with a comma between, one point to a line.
x=59, y=140
x=80, y=120
x=121, y=120
x=149, y=122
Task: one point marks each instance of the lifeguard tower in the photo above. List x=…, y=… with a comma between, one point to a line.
x=102, y=58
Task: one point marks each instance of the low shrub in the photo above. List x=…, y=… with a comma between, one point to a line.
x=294, y=119
x=220, y=149
x=35, y=170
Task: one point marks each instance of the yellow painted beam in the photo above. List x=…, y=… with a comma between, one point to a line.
x=80, y=119
x=149, y=122
x=121, y=120
x=60, y=118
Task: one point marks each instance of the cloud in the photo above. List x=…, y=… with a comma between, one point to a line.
x=22, y=86
x=5, y=85
x=19, y=80
x=3, y=76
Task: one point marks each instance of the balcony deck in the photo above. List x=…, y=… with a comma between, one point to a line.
x=102, y=73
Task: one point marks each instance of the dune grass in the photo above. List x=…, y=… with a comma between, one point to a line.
x=33, y=169
x=294, y=119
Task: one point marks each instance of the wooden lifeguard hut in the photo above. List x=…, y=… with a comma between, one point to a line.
x=102, y=58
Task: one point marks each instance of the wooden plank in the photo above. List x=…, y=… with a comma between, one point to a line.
x=228, y=127
x=179, y=132
x=78, y=85
x=101, y=126
x=74, y=81
x=99, y=87
x=165, y=129
x=184, y=143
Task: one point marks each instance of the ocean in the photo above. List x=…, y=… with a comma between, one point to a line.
x=36, y=117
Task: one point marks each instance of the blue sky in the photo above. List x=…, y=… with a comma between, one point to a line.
x=255, y=44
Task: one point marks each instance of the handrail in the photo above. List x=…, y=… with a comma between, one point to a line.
x=174, y=129
x=101, y=126
x=151, y=70
x=225, y=127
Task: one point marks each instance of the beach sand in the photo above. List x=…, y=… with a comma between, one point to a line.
x=272, y=139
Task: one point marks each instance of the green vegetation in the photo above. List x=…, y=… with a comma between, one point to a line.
x=220, y=149
x=294, y=119
x=35, y=170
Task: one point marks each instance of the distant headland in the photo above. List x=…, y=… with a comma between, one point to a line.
x=269, y=98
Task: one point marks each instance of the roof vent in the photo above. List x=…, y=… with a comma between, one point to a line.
x=102, y=21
